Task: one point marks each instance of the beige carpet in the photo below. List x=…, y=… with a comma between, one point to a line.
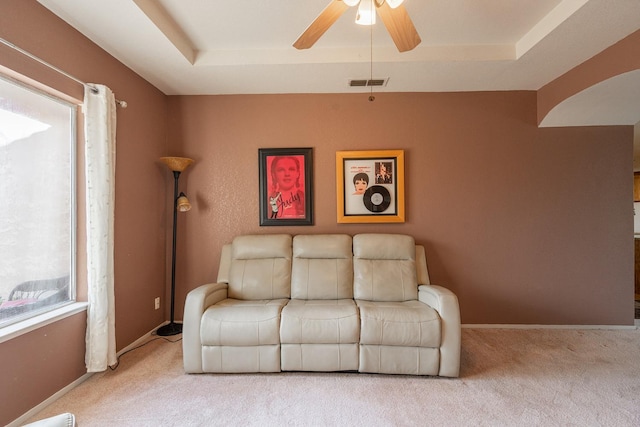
x=509, y=378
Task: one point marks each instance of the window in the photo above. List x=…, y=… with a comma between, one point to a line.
x=37, y=189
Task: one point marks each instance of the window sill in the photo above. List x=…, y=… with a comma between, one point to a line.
x=12, y=331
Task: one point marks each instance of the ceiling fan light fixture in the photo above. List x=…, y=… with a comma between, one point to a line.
x=397, y=22
x=366, y=13
x=394, y=3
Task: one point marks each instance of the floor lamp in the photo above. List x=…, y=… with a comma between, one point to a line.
x=181, y=204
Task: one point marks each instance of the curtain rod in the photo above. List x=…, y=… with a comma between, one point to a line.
x=122, y=104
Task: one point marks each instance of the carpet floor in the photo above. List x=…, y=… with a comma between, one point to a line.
x=509, y=377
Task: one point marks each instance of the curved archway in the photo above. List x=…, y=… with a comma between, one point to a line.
x=614, y=101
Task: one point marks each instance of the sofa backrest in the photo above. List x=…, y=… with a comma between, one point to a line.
x=260, y=267
x=322, y=267
x=384, y=267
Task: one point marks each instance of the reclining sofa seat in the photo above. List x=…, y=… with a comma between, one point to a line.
x=399, y=334
x=235, y=323
x=320, y=327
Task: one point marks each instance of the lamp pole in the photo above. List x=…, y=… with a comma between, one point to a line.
x=177, y=165
x=173, y=328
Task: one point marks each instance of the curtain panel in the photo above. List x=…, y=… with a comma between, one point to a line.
x=100, y=164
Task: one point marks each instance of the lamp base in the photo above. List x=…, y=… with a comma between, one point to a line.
x=170, y=329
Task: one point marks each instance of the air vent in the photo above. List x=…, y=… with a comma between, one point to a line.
x=368, y=82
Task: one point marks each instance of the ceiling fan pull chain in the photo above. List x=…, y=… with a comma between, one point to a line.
x=371, y=97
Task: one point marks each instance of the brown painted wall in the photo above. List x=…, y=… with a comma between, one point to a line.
x=526, y=225
x=39, y=364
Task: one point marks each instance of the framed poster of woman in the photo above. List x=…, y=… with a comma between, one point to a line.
x=286, y=177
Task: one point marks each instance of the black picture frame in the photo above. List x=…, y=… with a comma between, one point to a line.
x=285, y=186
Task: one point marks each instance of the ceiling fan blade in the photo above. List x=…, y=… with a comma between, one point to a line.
x=399, y=26
x=321, y=24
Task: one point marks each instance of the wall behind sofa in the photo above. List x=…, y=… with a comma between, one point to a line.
x=526, y=225
x=40, y=363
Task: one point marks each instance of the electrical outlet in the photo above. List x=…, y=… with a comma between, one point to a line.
x=157, y=303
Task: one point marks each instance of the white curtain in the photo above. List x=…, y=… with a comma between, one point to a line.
x=100, y=166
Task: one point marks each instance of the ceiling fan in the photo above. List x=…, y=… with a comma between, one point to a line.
x=393, y=15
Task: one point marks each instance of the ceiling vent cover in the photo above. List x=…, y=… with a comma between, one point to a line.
x=368, y=82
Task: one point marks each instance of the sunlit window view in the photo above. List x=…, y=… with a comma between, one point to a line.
x=37, y=219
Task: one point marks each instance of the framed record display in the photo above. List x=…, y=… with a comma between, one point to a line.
x=370, y=186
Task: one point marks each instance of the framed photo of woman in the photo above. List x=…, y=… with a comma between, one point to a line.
x=286, y=177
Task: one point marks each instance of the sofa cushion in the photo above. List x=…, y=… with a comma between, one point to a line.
x=322, y=267
x=408, y=324
x=320, y=322
x=260, y=267
x=242, y=323
x=384, y=267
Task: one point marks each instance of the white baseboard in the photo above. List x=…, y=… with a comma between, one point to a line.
x=519, y=326
x=34, y=411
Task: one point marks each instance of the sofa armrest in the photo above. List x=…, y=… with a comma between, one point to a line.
x=197, y=302
x=445, y=303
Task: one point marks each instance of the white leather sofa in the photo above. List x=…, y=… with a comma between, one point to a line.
x=322, y=303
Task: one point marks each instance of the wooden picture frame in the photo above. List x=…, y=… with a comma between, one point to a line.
x=286, y=177
x=370, y=186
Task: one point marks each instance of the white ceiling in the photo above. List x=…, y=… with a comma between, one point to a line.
x=245, y=46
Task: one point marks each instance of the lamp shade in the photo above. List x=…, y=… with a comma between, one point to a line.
x=183, y=204
x=177, y=164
